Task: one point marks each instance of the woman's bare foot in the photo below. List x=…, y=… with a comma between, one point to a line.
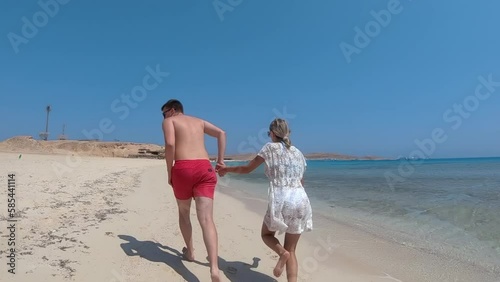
x=280, y=266
x=189, y=256
x=215, y=276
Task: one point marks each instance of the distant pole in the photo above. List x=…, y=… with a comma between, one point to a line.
x=63, y=136
x=47, y=123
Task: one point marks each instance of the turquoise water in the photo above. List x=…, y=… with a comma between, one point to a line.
x=450, y=205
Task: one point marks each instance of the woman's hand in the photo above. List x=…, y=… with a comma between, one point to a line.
x=222, y=171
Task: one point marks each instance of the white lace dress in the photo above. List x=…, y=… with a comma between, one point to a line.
x=289, y=209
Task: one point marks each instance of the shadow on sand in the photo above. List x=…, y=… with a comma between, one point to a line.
x=237, y=271
x=156, y=252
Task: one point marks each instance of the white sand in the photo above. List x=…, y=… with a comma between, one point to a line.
x=113, y=219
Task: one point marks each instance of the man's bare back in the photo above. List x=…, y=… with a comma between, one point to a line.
x=189, y=137
x=185, y=135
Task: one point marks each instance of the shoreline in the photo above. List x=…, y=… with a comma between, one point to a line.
x=127, y=149
x=365, y=243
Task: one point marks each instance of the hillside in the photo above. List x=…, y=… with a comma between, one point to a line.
x=27, y=144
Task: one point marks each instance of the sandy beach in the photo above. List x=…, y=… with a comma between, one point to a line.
x=115, y=219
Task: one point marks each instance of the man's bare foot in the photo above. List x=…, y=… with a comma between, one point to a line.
x=189, y=256
x=215, y=276
x=280, y=266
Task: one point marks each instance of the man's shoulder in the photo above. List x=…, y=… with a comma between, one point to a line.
x=186, y=118
x=193, y=118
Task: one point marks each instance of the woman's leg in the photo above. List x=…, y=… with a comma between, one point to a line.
x=292, y=267
x=273, y=243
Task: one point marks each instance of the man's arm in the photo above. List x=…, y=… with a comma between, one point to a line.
x=218, y=133
x=169, y=136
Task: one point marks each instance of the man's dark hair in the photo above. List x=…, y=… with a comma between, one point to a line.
x=173, y=104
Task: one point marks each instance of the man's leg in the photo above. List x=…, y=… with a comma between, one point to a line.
x=186, y=228
x=204, y=211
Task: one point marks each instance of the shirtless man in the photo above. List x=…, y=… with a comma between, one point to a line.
x=192, y=175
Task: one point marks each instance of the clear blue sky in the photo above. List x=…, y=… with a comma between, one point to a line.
x=262, y=55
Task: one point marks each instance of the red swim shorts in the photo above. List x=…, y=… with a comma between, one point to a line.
x=193, y=178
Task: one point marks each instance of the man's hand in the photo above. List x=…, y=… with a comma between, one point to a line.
x=218, y=133
x=170, y=178
x=219, y=165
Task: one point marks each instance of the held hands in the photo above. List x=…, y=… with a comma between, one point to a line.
x=220, y=168
x=222, y=171
x=219, y=165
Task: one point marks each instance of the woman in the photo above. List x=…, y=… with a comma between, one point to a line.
x=289, y=209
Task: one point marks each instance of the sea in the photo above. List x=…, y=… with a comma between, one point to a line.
x=439, y=205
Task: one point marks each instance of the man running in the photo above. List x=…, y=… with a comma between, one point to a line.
x=192, y=175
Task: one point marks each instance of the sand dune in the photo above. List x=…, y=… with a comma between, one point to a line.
x=27, y=144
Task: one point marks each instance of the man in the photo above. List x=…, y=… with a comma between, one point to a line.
x=192, y=175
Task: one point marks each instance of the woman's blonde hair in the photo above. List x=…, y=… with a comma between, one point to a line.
x=281, y=130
